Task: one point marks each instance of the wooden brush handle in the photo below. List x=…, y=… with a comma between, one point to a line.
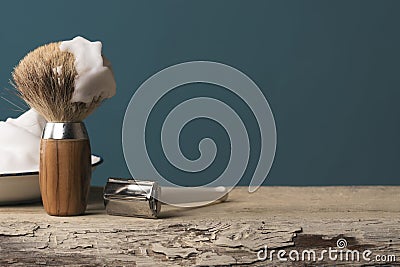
x=64, y=175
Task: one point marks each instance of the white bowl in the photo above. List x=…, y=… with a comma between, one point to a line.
x=16, y=188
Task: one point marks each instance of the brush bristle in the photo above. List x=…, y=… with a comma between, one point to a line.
x=45, y=79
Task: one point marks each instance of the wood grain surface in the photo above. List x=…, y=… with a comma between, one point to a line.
x=226, y=234
x=64, y=176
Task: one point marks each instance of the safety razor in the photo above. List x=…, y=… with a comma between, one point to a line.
x=130, y=197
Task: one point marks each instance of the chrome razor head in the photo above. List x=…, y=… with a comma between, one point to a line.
x=129, y=197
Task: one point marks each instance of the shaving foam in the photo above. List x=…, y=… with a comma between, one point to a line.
x=19, y=142
x=95, y=79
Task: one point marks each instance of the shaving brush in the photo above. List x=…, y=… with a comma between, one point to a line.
x=45, y=79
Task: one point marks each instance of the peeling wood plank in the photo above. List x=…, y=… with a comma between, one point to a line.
x=281, y=218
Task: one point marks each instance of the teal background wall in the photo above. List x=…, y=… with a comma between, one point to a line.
x=330, y=70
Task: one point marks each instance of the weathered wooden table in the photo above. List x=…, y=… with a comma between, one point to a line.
x=299, y=221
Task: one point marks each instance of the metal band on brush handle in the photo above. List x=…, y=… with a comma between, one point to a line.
x=65, y=130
